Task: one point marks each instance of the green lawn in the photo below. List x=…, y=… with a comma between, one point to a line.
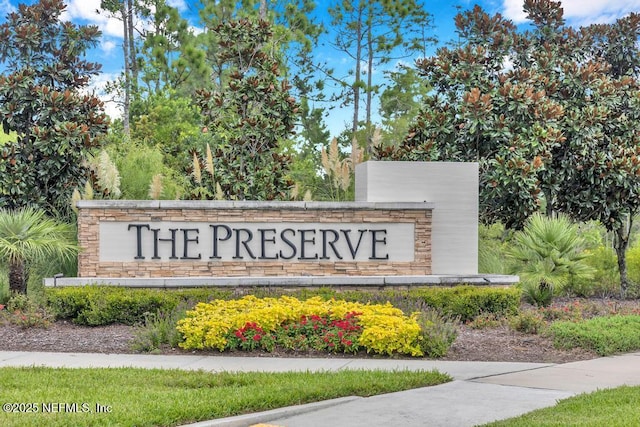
x=606, y=408
x=141, y=397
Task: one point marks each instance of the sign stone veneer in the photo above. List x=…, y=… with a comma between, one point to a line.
x=265, y=239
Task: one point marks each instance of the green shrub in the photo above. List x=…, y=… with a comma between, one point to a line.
x=548, y=254
x=159, y=329
x=607, y=277
x=438, y=333
x=138, y=164
x=604, y=335
x=528, y=322
x=467, y=302
x=539, y=294
x=26, y=312
x=103, y=305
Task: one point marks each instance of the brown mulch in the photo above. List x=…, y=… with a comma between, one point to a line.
x=489, y=344
x=502, y=344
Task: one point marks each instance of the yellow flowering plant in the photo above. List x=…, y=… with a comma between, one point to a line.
x=332, y=325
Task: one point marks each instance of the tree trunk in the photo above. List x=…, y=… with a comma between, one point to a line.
x=127, y=71
x=358, y=74
x=132, y=47
x=621, y=245
x=262, y=13
x=369, y=88
x=17, y=277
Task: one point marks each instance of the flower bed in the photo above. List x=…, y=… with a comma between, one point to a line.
x=286, y=322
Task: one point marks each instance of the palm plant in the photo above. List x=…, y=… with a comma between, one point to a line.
x=548, y=254
x=27, y=236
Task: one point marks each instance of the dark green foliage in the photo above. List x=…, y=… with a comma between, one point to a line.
x=103, y=305
x=44, y=104
x=467, y=302
x=249, y=117
x=548, y=254
x=558, y=128
x=604, y=335
x=479, y=111
x=169, y=123
x=28, y=239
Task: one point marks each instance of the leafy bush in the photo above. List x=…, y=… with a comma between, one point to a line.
x=604, y=335
x=222, y=324
x=528, y=322
x=539, y=294
x=25, y=312
x=467, y=302
x=103, y=305
x=548, y=255
x=438, y=333
x=138, y=164
x=159, y=328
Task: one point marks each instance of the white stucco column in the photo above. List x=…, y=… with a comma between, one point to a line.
x=452, y=187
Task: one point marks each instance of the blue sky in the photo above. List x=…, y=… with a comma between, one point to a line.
x=577, y=13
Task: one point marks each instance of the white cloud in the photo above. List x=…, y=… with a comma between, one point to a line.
x=98, y=85
x=87, y=11
x=579, y=12
x=6, y=7
x=107, y=46
x=196, y=30
x=178, y=4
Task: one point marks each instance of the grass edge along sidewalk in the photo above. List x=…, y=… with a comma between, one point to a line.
x=608, y=407
x=144, y=397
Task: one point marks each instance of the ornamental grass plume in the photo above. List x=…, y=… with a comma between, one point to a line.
x=155, y=187
x=209, y=162
x=197, y=173
x=108, y=175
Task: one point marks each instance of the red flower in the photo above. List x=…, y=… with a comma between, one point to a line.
x=238, y=333
x=257, y=337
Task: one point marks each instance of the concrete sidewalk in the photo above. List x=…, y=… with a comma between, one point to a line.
x=481, y=391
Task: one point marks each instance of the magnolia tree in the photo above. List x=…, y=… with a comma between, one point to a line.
x=45, y=107
x=249, y=117
x=552, y=115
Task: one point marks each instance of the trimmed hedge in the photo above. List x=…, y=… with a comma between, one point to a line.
x=467, y=302
x=103, y=305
